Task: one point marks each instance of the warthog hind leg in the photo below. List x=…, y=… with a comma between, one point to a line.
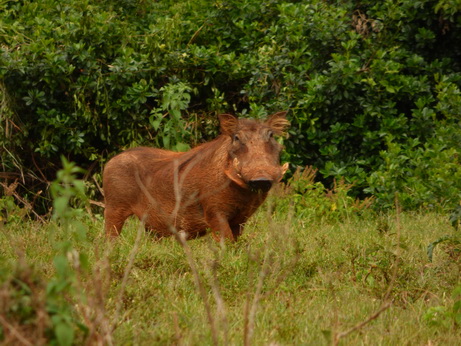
x=114, y=220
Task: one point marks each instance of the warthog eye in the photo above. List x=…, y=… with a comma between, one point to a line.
x=236, y=138
x=270, y=134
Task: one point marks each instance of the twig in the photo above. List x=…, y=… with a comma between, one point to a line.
x=194, y=36
x=13, y=330
x=27, y=205
x=99, y=204
x=362, y=324
x=39, y=170
x=16, y=164
x=101, y=191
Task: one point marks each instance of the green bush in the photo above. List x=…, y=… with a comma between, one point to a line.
x=373, y=87
x=46, y=308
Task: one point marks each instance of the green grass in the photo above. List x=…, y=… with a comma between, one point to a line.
x=319, y=276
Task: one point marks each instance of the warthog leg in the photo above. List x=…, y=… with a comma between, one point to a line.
x=219, y=225
x=114, y=220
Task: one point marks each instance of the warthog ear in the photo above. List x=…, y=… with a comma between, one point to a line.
x=278, y=122
x=228, y=123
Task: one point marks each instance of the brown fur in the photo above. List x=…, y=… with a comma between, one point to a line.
x=209, y=187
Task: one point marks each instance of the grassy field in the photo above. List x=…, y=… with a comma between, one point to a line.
x=293, y=278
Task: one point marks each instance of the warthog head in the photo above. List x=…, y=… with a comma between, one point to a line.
x=253, y=151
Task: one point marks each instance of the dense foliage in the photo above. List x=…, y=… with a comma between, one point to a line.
x=373, y=88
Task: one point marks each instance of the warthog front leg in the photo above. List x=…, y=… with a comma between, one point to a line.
x=219, y=226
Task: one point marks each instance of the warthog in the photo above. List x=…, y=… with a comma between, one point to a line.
x=216, y=186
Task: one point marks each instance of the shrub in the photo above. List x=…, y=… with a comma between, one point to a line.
x=367, y=83
x=58, y=308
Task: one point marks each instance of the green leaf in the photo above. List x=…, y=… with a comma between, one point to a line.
x=181, y=147
x=60, y=206
x=435, y=315
x=64, y=334
x=455, y=217
x=457, y=312
x=62, y=265
x=156, y=124
x=166, y=141
x=431, y=246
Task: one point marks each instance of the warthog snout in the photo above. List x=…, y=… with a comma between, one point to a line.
x=260, y=184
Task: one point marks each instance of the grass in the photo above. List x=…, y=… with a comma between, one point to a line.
x=289, y=280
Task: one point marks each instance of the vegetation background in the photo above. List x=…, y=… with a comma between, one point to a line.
x=373, y=90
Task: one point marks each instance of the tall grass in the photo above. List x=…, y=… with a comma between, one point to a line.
x=351, y=276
